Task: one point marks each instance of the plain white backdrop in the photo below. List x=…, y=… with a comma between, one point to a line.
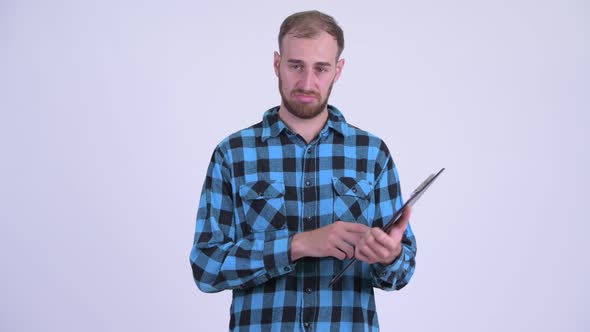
x=110, y=111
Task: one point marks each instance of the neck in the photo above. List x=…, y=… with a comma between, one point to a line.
x=306, y=128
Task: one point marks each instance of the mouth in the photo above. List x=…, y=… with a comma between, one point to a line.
x=305, y=98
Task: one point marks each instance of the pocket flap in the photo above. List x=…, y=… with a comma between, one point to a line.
x=347, y=186
x=262, y=190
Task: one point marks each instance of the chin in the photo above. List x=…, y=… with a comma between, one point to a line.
x=306, y=111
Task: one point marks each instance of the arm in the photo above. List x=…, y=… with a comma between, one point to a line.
x=219, y=259
x=387, y=200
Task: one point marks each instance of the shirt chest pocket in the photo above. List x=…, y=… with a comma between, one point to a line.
x=263, y=204
x=351, y=199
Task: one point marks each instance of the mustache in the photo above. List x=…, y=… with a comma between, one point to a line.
x=306, y=93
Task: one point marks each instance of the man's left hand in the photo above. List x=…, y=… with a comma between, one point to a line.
x=379, y=246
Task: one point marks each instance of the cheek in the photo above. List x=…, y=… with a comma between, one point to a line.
x=287, y=82
x=325, y=84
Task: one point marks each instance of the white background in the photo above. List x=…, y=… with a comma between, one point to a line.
x=110, y=111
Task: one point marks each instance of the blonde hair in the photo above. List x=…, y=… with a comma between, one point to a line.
x=309, y=24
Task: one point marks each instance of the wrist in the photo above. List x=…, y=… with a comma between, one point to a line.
x=296, y=250
x=391, y=260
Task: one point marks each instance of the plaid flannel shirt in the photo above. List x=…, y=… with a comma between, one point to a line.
x=263, y=185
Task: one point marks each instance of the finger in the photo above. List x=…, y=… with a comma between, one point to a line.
x=383, y=245
x=346, y=248
x=353, y=227
x=402, y=223
x=360, y=256
x=338, y=254
x=352, y=238
x=365, y=248
x=383, y=239
x=366, y=254
x=407, y=213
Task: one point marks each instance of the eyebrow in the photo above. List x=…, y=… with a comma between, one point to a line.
x=300, y=62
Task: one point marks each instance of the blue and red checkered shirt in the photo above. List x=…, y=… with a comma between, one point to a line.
x=264, y=184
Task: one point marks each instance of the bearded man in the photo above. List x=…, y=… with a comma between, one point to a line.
x=286, y=201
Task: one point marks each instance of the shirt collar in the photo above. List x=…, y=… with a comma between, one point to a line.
x=272, y=125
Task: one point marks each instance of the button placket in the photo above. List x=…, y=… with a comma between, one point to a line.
x=309, y=219
x=308, y=190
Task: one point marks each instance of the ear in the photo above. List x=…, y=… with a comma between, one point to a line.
x=339, y=66
x=277, y=62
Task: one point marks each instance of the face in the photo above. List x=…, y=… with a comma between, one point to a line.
x=307, y=70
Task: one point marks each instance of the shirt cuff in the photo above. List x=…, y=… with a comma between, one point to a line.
x=276, y=255
x=387, y=272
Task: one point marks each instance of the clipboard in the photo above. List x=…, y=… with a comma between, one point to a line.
x=414, y=197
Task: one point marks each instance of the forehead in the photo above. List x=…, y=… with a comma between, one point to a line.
x=321, y=48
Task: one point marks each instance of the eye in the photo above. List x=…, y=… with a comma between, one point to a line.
x=296, y=66
x=322, y=69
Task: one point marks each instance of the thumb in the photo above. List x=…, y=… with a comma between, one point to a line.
x=402, y=223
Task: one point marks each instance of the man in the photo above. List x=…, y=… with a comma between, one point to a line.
x=286, y=201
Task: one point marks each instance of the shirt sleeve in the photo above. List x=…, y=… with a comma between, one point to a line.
x=219, y=259
x=387, y=198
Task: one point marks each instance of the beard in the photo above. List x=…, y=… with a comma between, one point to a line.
x=304, y=110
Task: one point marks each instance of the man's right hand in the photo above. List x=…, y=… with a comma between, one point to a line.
x=337, y=240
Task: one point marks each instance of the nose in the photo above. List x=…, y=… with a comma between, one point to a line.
x=306, y=82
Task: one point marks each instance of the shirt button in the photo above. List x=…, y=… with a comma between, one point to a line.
x=306, y=324
x=308, y=219
x=287, y=269
x=309, y=150
x=354, y=189
x=308, y=290
x=307, y=183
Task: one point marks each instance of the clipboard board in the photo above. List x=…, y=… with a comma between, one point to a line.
x=413, y=198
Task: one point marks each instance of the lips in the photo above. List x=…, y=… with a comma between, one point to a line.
x=306, y=98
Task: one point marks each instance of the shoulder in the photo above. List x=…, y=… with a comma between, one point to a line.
x=254, y=134
x=355, y=136
x=240, y=139
x=362, y=138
